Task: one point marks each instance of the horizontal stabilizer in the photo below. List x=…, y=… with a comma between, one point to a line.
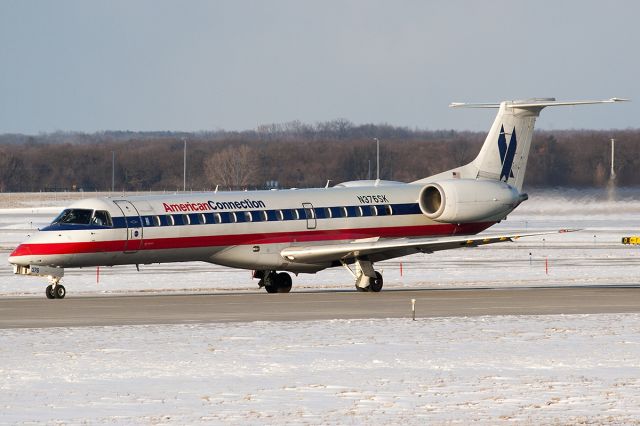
x=535, y=103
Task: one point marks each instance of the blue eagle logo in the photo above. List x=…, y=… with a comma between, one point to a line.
x=507, y=153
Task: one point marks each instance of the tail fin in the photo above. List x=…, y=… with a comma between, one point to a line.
x=505, y=151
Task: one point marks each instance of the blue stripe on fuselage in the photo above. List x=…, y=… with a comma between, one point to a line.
x=149, y=221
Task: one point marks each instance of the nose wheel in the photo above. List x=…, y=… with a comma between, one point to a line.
x=55, y=290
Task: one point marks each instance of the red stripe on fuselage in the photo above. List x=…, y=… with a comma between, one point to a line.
x=249, y=239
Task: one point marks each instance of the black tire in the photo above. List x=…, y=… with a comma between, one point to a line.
x=60, y=291
x=271, y=288
x=49, y=292
x=361, y=289
x=271, y=282
x=284, y=282
x=375, y=284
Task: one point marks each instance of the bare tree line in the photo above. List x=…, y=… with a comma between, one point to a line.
x=295, y=155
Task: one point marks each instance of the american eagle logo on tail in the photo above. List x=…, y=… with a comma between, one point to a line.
x=507, y=153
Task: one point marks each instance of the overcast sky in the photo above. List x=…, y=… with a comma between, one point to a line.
x=205, y=65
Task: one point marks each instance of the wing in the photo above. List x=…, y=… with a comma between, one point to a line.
x=377, y=249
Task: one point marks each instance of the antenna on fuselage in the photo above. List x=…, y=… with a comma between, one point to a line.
x=328, y=182
x=216, y=190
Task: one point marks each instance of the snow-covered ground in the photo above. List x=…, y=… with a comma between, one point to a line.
x=574, y=369
x=561, y=369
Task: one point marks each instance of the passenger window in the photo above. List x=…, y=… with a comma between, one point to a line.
x=280, y=215
x=186, y=220
x=296, y=214
x=359, y=211
x=170, y=220
x=202, y=219
x=217, y=218
x=388, y=210
x=265, y=216
x=373, y=210
x=146, y=221
x=102, y=218
x=345, y=212
x=156, y=221
x=248, y=217
x=234, y=218
x=327, y=213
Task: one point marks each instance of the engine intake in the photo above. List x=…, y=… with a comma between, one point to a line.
x=468, y=200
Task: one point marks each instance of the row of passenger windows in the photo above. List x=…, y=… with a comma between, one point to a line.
x=266, y=215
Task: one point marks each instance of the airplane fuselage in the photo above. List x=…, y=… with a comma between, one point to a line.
x=238, y=229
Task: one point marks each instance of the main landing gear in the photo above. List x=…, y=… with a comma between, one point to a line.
x=367, y=279
x=274, y=282
x=55, y=290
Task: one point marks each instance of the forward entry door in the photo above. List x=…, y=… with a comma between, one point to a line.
x=310, y=213
x=134, y=226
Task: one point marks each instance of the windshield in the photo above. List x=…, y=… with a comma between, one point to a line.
x=74, y=216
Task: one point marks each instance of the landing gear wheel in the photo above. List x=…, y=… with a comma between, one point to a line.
x=271, y=288
x=60, y=291
x=375, y=284
x=277, y=282
x=49, y=292
x=271, y=282
x=284, y=283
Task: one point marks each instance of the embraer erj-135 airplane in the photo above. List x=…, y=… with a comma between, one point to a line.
x=303, y=230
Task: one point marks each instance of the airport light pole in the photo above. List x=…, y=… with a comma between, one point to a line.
x=113, y=170
x=377, y=158
x=184, y=179
x=612, y=174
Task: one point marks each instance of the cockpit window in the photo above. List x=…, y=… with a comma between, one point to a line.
x=101, y=218
x=74, y=217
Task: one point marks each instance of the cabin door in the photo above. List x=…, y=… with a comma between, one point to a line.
x=133, y=223
x=310, y=214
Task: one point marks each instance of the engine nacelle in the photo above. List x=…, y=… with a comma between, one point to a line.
x=468, y=200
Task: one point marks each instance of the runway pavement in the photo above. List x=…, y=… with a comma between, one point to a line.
x=31, y=312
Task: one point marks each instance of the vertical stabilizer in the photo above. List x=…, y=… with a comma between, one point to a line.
x=505, y=151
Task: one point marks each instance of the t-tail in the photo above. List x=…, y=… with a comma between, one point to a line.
x=505, y=151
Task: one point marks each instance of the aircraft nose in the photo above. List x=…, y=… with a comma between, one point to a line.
x=19, y=255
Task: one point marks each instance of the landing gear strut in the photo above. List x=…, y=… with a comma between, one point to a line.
x=367, y=279
x=55, y=290
x=274, y=282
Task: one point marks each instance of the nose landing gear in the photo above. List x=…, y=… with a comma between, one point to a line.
x=55, y=290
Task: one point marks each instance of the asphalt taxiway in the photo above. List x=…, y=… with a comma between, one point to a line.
x=32, y=312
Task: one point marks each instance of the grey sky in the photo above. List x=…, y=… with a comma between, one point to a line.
x=202, y=65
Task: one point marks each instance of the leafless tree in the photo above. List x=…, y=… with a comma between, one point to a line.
x=231, y=168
